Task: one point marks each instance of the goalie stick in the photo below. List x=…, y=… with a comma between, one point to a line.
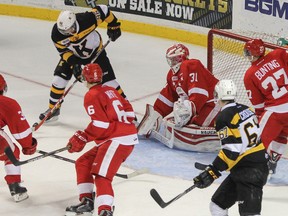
x=37, y=125
x=155, y=195
x=124, y=176
x=9, y=153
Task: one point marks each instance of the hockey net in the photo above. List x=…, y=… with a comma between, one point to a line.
x=225, y=56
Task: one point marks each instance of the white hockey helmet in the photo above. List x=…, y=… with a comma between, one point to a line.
x=67, y=23
x=175, y=55
x=225, y=90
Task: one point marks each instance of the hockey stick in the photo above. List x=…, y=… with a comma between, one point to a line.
x=37, y=125
x=200, y=166
x=8, y=151
x=124, y=176
x=155, y=195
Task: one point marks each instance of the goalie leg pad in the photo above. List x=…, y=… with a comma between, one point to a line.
x=151, y=121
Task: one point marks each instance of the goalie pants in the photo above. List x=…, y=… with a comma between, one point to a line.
x=243, y=185
x=99, y=165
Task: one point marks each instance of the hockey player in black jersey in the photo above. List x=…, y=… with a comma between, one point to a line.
x=77, y=41
x=242, y=153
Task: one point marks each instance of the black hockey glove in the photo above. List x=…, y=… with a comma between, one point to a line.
x=206, y=177
x=113, y=30
x=77, y=72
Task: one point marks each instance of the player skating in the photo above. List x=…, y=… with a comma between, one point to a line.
x=189, y=95
x=11, y=116
x=242, y=153
x=78, y=42
x=266, y=84
x=114, y=134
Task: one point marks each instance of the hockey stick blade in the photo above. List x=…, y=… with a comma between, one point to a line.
x=16, y=162
x=200, y=166
x=155, y=195
x=124, y=176
x=133, y=174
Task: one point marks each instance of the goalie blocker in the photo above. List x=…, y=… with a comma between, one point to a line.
x=191, y=137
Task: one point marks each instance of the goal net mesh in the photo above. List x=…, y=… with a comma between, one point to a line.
x=225, y=56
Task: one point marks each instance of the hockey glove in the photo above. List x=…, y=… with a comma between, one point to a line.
x=77, y=72
x=77, y=142
x=206, y=177
x=113, y=30
x=32, y=149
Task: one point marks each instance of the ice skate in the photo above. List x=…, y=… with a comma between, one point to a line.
x=106, y=213
x=84, y=208
x=53, y=117
x=17, y=192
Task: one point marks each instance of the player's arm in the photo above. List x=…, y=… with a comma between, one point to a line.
x=20, y=129
x=103, y=13
x=254, y=95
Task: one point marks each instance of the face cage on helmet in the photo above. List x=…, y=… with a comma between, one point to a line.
x=71, y=31
x=174, y=60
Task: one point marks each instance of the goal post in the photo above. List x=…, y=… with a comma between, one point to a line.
x=225, y=56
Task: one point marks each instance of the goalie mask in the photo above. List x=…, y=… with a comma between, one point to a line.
x=254, y=49
x=92, y=73
x=225, y=90
x=3, y=85
x=67, y=23
x=175, y=55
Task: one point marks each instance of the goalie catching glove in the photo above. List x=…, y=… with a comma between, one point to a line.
x=183, y=110
x=151, y=121
x=206, y=177
x=77, y=142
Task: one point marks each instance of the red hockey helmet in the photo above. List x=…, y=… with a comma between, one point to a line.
x=175, y=55
x=3, y=84
x=254, y=48
x=92, y=73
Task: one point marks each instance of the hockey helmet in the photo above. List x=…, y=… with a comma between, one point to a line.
x=225, y=90
x=67, y=23
x=175, y=55
x=3, y=85
x=254, y=49
x=92, y=73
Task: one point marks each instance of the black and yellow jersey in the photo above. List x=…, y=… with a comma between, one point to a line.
x=238, y=129
x=82, y=47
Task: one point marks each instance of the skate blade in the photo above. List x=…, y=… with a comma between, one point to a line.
x=20, y=197
x=78, y=214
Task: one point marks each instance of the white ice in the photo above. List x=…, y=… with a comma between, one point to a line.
x=27, y=61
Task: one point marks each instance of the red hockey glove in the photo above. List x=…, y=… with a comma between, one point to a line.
x=77, y=142
x=32, y=149
x=206, y=177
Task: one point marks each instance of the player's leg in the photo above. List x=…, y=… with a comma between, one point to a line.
x=273, y=137
x=109, y=77
x=223, y=198
x=62, y=75
x=85, y=184
x=105, y=169
x=13, y=173
x=250, y=182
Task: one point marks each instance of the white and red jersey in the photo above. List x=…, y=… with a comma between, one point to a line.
x=11, y=116
x=194, y=82
x=266, y=82
x=111, y=116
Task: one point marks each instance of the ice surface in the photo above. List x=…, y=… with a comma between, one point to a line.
x=28, y=59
